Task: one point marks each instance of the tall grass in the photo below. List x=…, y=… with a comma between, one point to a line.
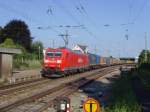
x=123, y=98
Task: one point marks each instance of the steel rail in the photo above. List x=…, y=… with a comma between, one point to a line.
x=53, y=90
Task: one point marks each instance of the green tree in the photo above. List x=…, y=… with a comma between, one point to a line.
x=142, y=57
x=18, y=31
x=8, y=43
x=37, y=48
x=1, y=34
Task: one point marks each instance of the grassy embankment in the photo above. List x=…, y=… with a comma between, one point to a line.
x=123, y=98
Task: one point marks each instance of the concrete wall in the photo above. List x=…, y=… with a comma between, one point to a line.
x=5, y=66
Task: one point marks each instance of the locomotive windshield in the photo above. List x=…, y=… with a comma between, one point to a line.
x=54, y=54
x=58, y=54
x=50, y=54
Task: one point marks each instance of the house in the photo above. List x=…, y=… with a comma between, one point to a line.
x=80, y=48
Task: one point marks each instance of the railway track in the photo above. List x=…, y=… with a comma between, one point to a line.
x=7, y=86
x=15, y=81
x=68, y=85
x=4, y=90
x=25, y=83
x=20, y=83
x=71, y=88
x=8, y=91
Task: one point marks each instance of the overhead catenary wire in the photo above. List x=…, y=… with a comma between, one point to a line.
x=140, y=11
x=132, y=19
x=63, y=8
x=47, y=28
x=26, y=17
x=82, y=10
x=50, y=10
x=131, y=5
x=11, y=9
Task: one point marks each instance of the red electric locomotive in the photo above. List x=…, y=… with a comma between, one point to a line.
x=61, y=61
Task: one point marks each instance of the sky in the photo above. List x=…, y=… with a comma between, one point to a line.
x=107, y=27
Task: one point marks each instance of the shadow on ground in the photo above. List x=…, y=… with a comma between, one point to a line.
x=100, y=89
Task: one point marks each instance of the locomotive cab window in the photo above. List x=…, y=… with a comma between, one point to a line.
x=50, y=54
x=54, y=54
x=58, y=54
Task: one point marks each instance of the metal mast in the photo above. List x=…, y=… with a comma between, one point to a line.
x=65, y=37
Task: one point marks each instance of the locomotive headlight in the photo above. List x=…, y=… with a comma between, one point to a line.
x=58, y=61
x=46, y=61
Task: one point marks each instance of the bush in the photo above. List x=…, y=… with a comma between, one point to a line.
x=20, y=65
x=26, y=61
x=144, y=74
x=8, y=43
x=141, y=59
x=145, y=66
x=123, y=98
x=26, y=64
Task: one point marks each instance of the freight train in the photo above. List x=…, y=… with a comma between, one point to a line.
x=63, y=61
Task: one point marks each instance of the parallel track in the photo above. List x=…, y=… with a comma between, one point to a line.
x=71, y=88
x=3, y=87
x=65, y=88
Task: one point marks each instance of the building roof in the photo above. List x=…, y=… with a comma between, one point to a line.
x=10, y=51
x=82, y=47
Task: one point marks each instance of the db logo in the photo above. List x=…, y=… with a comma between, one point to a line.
x=91, y=105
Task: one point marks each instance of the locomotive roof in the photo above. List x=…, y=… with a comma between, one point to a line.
x=61, y=48
x=65, y=49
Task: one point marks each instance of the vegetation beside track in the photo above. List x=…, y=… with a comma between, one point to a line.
x=27, y=64
x=123, y=98
x=144, y=68
x=144, y=74
x=16, y=34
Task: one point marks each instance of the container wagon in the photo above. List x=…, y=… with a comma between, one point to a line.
x=93, y=60
x=102, y=61
x=107, y=61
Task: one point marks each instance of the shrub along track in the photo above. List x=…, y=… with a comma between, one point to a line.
x=48, y=93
